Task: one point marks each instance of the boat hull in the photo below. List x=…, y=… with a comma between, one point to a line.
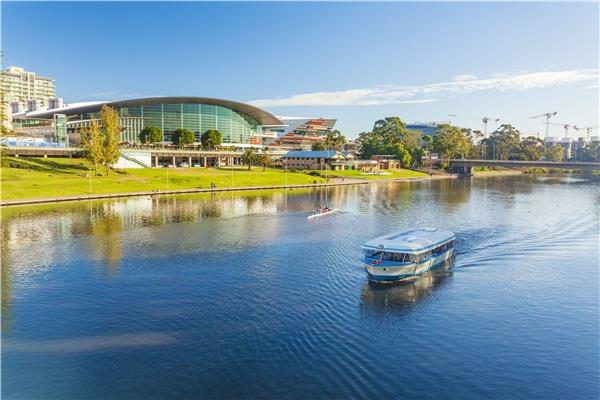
x=322, y=214
x=394, y=273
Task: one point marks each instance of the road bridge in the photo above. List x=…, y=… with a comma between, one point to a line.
x=465, y=167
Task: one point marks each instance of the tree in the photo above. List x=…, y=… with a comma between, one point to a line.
x=401, y=154
x=92, y=144
x=385, y=137
x=318, y=146
x=151, y=134
x=427, y=142
x=249, y=158
x=503, y=143
x=451, y=142
x=183, y=136
x=531, y=149
x=264, y=160
x=111, y=129
x=211, y=139
x=555, y=153
x=334, y=140
x=589, y=152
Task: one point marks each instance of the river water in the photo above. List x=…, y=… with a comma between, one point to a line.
x=240, y=296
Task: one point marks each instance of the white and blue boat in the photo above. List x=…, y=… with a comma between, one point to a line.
x=405, y=254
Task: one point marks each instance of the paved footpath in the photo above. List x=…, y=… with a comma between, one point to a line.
x=333, y=182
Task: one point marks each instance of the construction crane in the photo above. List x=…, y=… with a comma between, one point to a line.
x=485, y=121
x=565, y=127
x=588, y=129
x=547, y=116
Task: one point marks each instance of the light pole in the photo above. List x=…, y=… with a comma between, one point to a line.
x=231, y=171
x=90, y=176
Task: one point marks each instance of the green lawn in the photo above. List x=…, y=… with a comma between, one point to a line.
x=29, y=177
x=390, y=174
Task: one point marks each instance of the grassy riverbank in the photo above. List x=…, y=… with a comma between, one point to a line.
x=494, y=171
x=30, y=178
x=34, y=178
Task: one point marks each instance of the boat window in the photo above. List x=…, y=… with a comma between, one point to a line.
x=387, y=256
x=373, y=253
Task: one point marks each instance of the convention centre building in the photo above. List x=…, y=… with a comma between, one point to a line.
x=240, y=124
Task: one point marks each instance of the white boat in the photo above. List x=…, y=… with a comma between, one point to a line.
x=405, y=254
x=321, y=214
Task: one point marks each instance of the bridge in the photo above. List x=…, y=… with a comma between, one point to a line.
x=464, y=167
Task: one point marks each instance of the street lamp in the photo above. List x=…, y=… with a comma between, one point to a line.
x=90, y=176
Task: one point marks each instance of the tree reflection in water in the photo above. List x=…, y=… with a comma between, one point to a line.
x=105, y=229
x=402, y=295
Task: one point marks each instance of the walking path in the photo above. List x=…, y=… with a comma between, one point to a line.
x=335, y=182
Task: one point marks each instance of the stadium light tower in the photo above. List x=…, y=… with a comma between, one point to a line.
x=485, y=121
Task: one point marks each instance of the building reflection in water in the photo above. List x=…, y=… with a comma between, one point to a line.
x=400, y=296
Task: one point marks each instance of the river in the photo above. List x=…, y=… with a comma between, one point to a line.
x=238, y=295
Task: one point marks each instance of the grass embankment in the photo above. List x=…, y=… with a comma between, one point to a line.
x=489, y=171
x=386, y=174
x=29, y=178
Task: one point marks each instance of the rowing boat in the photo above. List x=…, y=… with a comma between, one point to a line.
x=321, y=214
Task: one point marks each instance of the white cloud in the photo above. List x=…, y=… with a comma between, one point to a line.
x=395, y=94
x=464, y=77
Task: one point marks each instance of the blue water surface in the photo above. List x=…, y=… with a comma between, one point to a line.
x=240, y=296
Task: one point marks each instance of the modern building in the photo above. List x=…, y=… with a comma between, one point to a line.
x=301, y=133
x=324, y=160
x=22, y=89
x=241, y=125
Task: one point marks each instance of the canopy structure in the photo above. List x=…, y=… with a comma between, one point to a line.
x=261, y=116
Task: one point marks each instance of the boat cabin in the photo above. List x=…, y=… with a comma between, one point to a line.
x=413, y=246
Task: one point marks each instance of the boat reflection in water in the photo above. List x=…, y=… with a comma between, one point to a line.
x=404, y=294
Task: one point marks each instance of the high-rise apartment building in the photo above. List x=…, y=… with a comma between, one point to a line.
x=20, y=87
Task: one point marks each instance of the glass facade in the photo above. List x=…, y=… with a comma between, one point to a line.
x=235, y=127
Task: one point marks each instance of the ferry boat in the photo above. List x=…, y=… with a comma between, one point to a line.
x=405, y=254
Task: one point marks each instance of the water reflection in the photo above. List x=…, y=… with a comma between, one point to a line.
x=400, y=296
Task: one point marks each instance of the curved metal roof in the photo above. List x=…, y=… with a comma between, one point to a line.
x=260, y=115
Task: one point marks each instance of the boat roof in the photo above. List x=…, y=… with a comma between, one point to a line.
x=411, y=241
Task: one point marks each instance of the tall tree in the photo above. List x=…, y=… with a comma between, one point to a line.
x=183, y=136
x=111, y=136
x=386, y=134
x=335, y=140
x=451, y=142
x=531, y=149
x=92, y=144
x=589, y=152
x=211, y=139
x=264, y=160
x=151, y=134
x=555, y=153
x=249, y=158
x=427, y=142
x=503, y=143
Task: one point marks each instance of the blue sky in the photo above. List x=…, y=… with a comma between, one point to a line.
x=357, y=62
